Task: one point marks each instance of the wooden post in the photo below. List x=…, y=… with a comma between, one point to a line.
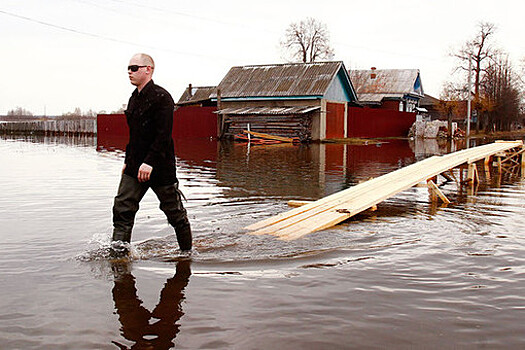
x=472, y=178
x=523, y=161
x=220, y=120
x=453, y=176
x=472, y=175
x=486, y=164
x=447, y=176
x=436, y=192
x=500, y=167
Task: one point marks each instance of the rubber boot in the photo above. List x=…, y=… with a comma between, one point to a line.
x=121, y=236
x=119, y=245
x=183, y=232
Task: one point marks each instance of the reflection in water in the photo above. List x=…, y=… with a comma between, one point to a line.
x=305, y=171
x=283, y=170
x=67, y=139
x=155, y=329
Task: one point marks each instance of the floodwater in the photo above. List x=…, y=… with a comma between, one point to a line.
x=410, y=275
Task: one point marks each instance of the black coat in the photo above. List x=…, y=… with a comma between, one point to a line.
x=150, y=120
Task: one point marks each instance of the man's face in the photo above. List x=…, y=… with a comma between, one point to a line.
x=142, y=75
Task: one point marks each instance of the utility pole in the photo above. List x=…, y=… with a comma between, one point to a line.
x=469, y=89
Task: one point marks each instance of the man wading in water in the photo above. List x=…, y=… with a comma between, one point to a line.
x=150, y=158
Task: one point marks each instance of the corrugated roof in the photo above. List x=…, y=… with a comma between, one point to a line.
x=279, y=80
x=198, y=93
x=387, y=83
x=269, y=110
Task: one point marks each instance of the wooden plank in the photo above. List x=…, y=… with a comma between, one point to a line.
x=270, y=137
x=338, y=207
x=297, y=203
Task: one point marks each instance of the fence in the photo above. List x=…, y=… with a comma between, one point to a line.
x=73, y=126
x=195, y=122
x=369, y=122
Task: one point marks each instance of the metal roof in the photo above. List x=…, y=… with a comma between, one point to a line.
x=393, y=83
x=269, y=110
x=279, y=80
x=198, y=94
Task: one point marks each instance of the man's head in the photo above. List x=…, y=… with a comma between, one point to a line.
x=140, y=69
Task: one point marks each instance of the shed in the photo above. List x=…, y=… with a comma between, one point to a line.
x=393, y=89
x=300, y=100
x=197, y=96
x=194, y=115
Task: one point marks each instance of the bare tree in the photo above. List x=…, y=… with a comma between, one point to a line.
x=480, y=51
x=500, y=95
x=308, y=41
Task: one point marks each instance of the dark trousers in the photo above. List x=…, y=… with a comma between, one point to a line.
x=126, y=205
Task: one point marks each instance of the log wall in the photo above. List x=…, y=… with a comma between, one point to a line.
x=280, y=125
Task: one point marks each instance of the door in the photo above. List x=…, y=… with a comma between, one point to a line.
x=335, y=120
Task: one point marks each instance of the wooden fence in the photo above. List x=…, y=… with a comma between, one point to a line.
x=73, y=126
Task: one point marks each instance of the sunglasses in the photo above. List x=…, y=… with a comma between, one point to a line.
x=135, y=67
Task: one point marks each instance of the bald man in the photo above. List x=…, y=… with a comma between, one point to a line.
x=150, y=158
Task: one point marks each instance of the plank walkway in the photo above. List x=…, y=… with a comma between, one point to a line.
x=340, y=206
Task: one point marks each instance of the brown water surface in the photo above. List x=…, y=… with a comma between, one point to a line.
x=409, y=275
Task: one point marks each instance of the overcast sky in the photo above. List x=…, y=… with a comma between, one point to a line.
x=60, y=54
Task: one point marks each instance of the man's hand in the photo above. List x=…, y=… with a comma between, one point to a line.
x=144, y=172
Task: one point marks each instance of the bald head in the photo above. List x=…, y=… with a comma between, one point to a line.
x=144, y=59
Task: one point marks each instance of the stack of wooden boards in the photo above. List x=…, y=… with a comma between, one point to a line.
x=340, y=206
x=259, y=138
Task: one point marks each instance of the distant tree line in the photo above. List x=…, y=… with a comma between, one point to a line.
x=78, y=114
x=20, y=113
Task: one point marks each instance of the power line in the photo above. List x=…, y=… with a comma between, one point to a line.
x=98, y=36
x=164, y=10
x=202, y=18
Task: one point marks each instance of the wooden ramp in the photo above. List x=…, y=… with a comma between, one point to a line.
x=340, y=206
